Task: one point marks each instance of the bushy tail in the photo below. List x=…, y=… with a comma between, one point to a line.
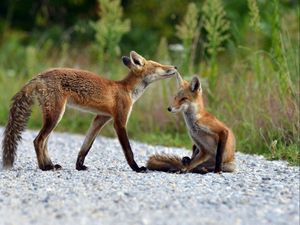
x=19, y=113
x=165, y=163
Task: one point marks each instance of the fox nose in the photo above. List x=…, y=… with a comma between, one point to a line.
x=169, y=109
x=175, y=67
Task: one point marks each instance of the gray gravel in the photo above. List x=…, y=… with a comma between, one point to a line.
x=260, y=192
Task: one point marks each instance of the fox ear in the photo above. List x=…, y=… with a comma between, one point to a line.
x=179, y=80
x=195, y=84
x=136, y=59
x=126, y=60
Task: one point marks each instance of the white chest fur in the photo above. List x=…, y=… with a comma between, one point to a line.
x=202, y=136
x=138, y=90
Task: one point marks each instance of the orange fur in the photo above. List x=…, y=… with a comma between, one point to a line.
x=214, y=142
x=86, y=91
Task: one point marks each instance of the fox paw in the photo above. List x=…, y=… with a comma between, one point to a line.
x=219, y=171
x=57, y=167
x=174, y=170
x=186, y=160
x=184, y=170
x=201, y=170
x=141, y=169
x=51, y=167
x=81, y=167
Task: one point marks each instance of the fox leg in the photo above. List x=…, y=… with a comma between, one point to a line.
x=199, y=158
x=209, y=166
x=93, y=131
x=205, y=167
x=196, y=151
x=50, y=119
x=120, y=128
x=229, y=167
x=186, y=160
x=223, y=135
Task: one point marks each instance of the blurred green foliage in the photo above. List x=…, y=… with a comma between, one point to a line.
x=252, y=84
x=109, y=30
x=188, y=32
x=216, y=26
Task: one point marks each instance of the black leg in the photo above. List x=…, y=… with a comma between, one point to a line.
x=220, y=150
x=94, y=129
x=123, y=138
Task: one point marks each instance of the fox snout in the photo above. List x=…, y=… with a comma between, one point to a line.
x=171, y=71
x=174, y=69
x=178, y=108
x=173, y=110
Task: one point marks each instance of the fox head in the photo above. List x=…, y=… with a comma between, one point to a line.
x=188, y=97
x=147, y=70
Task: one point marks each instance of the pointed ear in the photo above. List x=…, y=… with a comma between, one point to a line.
x=179, y=80
x=137, y=59
x=126, y=61
x=195, y=85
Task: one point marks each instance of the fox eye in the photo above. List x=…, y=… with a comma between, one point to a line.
x=183, y=99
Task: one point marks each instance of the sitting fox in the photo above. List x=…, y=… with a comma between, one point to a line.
x=107, y=99
x=214, y=142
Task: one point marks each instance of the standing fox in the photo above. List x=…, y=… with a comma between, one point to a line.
x=86, y=91
x=214, y=142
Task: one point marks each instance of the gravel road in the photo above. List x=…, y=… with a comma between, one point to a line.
x=260, y=192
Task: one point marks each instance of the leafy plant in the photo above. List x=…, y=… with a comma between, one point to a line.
x=109, y=30
x=277, y=50
x=217, y=27
x=187, y=32
x=254, y=15
x=162, y=52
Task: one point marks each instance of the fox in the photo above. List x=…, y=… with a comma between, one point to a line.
x=107, y=99
x=213, y=142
